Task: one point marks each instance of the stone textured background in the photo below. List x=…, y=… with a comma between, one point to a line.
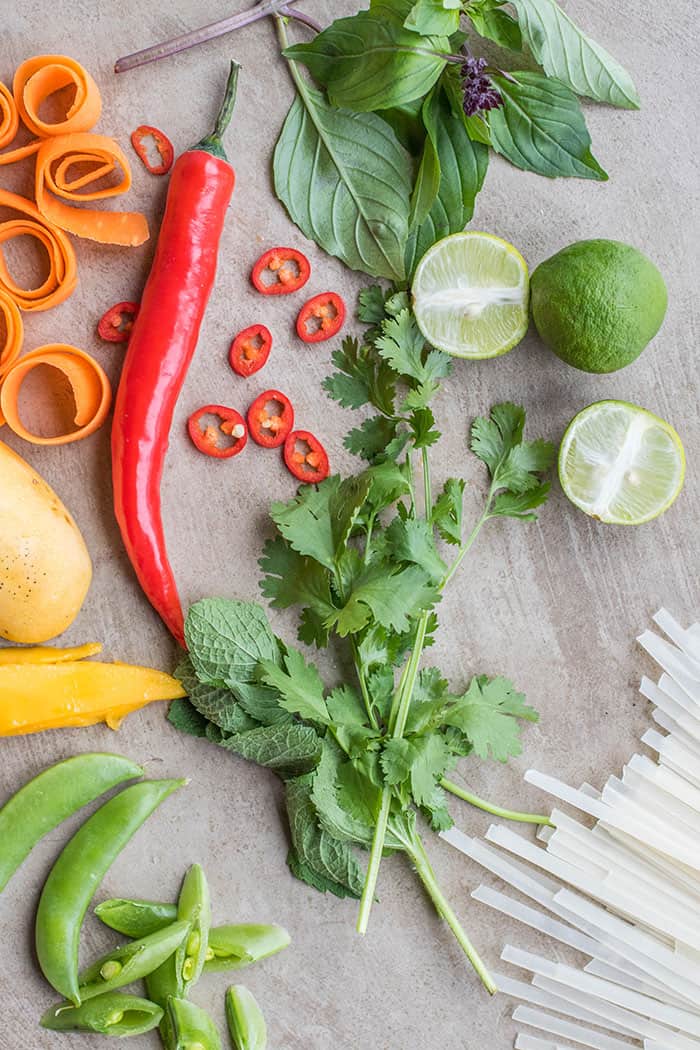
x=555, y=606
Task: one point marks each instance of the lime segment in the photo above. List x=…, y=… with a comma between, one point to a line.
x=470, y=295
x=620, y=463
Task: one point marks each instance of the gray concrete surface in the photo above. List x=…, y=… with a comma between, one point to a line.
x=556, y=606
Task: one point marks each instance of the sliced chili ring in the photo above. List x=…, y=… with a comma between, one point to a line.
x=270, y=419
x=289, y=270
x=115, y=325
x=250, y=349
x=139, y=140
x=305, y=457
x=321, y=317
x=207, y=437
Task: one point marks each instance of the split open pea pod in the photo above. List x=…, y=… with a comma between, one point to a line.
x=52, y=797
x=114, y=1014
x=191, y=1027
x=136, y=918
x=234, y=947
x=131, y=962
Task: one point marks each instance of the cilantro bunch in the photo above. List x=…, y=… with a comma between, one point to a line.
x=366, y=763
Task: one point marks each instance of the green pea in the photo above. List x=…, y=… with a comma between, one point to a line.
x=192, y=1028
x=110, y=1014
x=136, y=918
x=234, y=947
x=77, y=873
x=52, y=797
x=131, y=962
x=245, y=1019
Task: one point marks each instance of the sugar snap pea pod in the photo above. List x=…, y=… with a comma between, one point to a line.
x=233, y=947
x=78, y=872
x=52, y=797
x=111, y=1014
x=136, y=918
x=192, y=1028
x=131, y=962
x=245, y=1019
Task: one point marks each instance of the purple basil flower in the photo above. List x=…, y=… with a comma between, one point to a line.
x=479, y=92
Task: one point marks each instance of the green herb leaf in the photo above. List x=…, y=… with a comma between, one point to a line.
x=345, y=506
x=344, y=179
x=330, y=858
x=220, y=707
x=434, y=16
x=334, y=818
x=292, y=579
x=305, y=521
x=514, y=464
x=226, y=639
x=403, y=346
x=448, y=510
x=345, y=707
x=412, y=540
x=289, y=750
x=491, y=21
x=186, y=718
x=299, y=685
x=487, y=715
x=427, y=182
x=368, y=62
x=540, y=127
x=396, y=759
x=370, y=309
x=261, y=703
x=565, y=52
x=388, y=595
x=372, y=438
x=431, y=757
x=363, y=376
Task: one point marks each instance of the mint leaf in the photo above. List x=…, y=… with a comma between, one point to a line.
x=305, y=521
x=334, y=818
x=487, y=715
x=540, y=127
x=330, y=858
x=261, y=703
x=565, y=52
x=289, y=750
x=186, y=718
x=226, y=640
x=220, y=707
x=411, y=540
x=299, y=686
x=448, y=510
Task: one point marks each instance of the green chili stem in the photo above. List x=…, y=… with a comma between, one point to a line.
x=212, y=143
x=489, y=807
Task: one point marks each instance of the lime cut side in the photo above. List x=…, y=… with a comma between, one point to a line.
x=470, y=295
x=620, y=463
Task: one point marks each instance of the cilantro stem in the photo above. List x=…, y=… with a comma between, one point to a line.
x=427, y=485
x=375, y=860
x=417, y=853
x=363, y=685
x=489, y=807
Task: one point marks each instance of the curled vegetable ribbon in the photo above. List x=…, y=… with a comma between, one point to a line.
x=91, y=391
x=62, y=277
x=14, y=330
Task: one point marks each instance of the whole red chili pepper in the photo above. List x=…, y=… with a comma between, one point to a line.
x=289, y=270
x=321, y=317
x=270, y=418
x=250, y=350
x=115, y=325
x=305, y=457
x=206, y=438
x=162, y=143
x=161, y=346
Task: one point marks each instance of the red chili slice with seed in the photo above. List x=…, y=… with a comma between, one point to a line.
x=208, y=435
x=115, y=325
x=305, y=457
x=139, y=140
x=270, y=419
x=321, y=318
x=250, y=350
x=281, y=271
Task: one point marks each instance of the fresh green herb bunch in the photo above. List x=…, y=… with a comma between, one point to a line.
x=362, y=557
x=389, y=156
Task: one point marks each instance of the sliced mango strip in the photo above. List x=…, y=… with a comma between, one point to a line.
x=47, y=654
x=62, y=277
x=56, y=156
x=91, y=391
x=76, y=693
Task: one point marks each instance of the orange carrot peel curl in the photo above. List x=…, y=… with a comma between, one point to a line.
x=62, y=277
x=91, y=391
x=14, y=331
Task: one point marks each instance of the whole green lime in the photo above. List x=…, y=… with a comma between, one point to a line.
x=597, y=304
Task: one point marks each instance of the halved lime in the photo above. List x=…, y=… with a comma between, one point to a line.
x=470, y=295
x=620, y=463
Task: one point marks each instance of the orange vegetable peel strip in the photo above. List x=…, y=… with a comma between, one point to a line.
x=91, y=391
x=54, y=160
x=14, y=331
x=62, y=277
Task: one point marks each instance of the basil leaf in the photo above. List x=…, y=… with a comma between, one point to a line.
x=491, y=21
x=540, y=127
x=344, y=179
x=370, y=62
x=427, y=182
x=565, y=52
x=463, y=166
x=434, y=16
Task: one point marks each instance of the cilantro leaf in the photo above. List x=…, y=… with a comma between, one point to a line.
x=371, y=440
x=293, y=579
x=396, y=759
x=371, y=304
x=515, y=465
x=448, y=511
x=435, y=809
x=363, y=377
x=412, y=540
x=431, y=757
x=389, y=483
x=402, y=345
x=334, y=818
x=388, y=595
x=345, y=707
x=305, y=521
x=487, y=714
x=299, y=685
x=345, y=506
x=520, y=505
x=423, y=429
